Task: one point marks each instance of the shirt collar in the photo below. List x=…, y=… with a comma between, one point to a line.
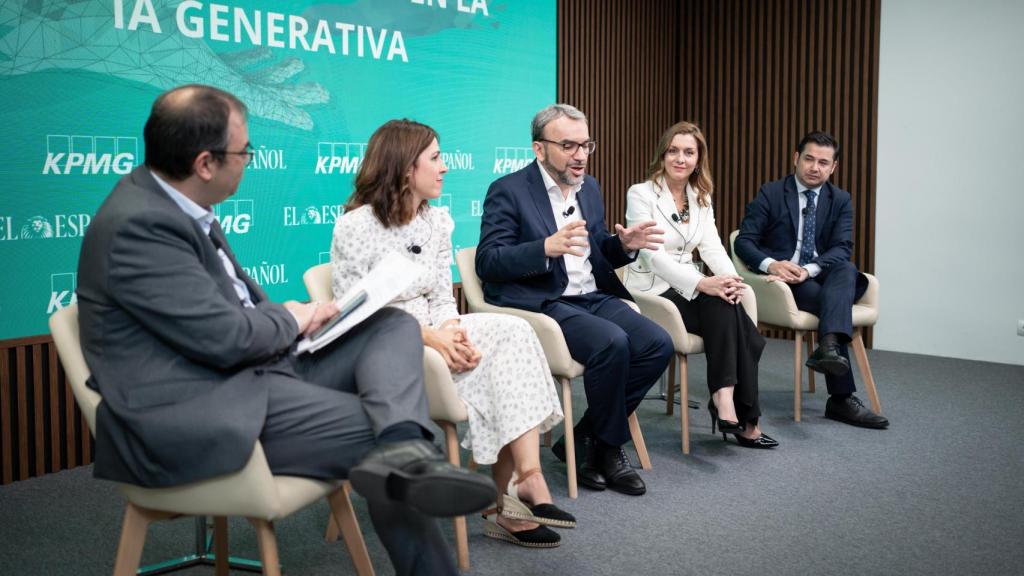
x=197, y=212
x=800, y=188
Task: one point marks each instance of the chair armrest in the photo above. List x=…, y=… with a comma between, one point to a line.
x=442, y=396
x=548, y=332
x=774, y=300
x=664, y=313
x=870, y=297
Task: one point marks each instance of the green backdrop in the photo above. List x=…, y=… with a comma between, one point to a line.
x=77, y=78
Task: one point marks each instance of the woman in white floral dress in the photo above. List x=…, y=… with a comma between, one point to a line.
x=497, y=362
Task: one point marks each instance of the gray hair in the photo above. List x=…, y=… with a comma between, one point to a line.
x=553, y=112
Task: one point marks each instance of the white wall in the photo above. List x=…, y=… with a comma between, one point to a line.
x=950, y=210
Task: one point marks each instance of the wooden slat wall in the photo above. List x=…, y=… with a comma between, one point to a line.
x=756, y=75
x=617, y=62
x=41, y=429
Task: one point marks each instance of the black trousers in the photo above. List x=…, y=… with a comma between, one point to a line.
x=324, y=413
x=732, y=346
x=623, y=355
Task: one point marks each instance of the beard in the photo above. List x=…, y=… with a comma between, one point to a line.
x=564, y=176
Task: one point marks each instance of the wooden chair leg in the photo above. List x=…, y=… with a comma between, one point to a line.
x=267, y=541
x=331, y=534
x=342, y=514
x=133, y=536
x=670, y=389
x=798, y=369
x=865, y=370
x=570, y=437
x=547, y=439
x=220, y=546
x=638, y=441
x=810, y=373
x=684, y=402
x=451, y=438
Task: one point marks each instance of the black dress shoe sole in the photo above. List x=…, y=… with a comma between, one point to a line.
x=858, y=423
x=828, y=367
x=438, y=494
x=628, y=490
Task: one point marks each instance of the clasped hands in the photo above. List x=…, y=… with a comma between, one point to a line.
x=727, y=287
x=571, y=238
x=453, y=344
x=786, y=271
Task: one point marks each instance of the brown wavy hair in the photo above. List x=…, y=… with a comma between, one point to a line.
x=383, y=177
x=700, y=178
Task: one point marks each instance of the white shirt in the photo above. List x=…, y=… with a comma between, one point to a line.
x=205, y=219
x=579, y=269
x=813, y=269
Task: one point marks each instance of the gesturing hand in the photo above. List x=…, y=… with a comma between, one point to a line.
x=643, y=235
x=568, y=240
x=786, y=271
x=729, y=288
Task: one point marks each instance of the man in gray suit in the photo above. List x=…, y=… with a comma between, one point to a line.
x=195, y=364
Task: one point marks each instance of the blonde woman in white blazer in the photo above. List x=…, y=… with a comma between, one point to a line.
x=677, y=195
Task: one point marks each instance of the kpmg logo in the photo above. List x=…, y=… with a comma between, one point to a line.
x=269, y=159
x=235, y=216
x=267, y=274
x=311, y=215
x=508, y=159
x=339, y=157
x=75, y=154
x=457, y=160
x=62, y=291
x=42, y=227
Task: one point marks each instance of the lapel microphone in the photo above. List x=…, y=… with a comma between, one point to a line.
x=414, y=248
x=806, y=210
x=568, y=211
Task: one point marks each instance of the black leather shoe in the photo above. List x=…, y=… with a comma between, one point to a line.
x=619, y=472
x=763, y=441
x=852, y=411
x=588, y=466
x=415, y=473
x=827, y=360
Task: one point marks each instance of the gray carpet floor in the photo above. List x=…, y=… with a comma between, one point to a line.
x=940, y=492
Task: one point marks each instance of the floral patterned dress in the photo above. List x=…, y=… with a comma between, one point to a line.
x=511, y=390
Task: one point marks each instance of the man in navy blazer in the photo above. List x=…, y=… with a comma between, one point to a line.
x=799, y=230
x=544, y=247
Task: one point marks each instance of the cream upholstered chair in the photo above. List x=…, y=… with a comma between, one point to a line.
x=563, y=367
x=253, y=491
x=777, y=307
x=444, y=404
x=665, y=314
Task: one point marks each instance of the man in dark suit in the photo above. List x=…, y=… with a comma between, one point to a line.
x=544, y=247
x=195, y=364
x=799, y=230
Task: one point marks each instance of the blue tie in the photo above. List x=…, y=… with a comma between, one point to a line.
x=807, y=245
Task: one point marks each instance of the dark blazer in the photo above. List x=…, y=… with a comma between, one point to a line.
x=769, y=228
x=170, y=347
x=510, y=258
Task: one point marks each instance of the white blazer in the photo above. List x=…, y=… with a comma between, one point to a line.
x=671, y=265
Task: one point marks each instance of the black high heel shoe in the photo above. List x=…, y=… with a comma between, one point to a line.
x=724, y=426
x=763, y=441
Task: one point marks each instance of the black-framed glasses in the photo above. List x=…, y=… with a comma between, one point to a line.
x=249, y=152
x=570, y=147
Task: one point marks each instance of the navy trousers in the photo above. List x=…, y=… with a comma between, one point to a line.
x=623, y=355
x=830, y=297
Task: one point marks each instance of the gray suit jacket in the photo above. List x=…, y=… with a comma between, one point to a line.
x=170, y=348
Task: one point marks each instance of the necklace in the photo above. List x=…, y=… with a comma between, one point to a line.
x=684, y=214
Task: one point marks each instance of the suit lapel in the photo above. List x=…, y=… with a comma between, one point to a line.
x=541, y=201
x=822, y=211
x=793, y=204
x=255, y=292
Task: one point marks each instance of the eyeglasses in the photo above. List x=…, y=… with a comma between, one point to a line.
x=249, y=152
x=570, y=147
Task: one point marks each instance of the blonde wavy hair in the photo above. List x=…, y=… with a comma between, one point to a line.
x=700, y=178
